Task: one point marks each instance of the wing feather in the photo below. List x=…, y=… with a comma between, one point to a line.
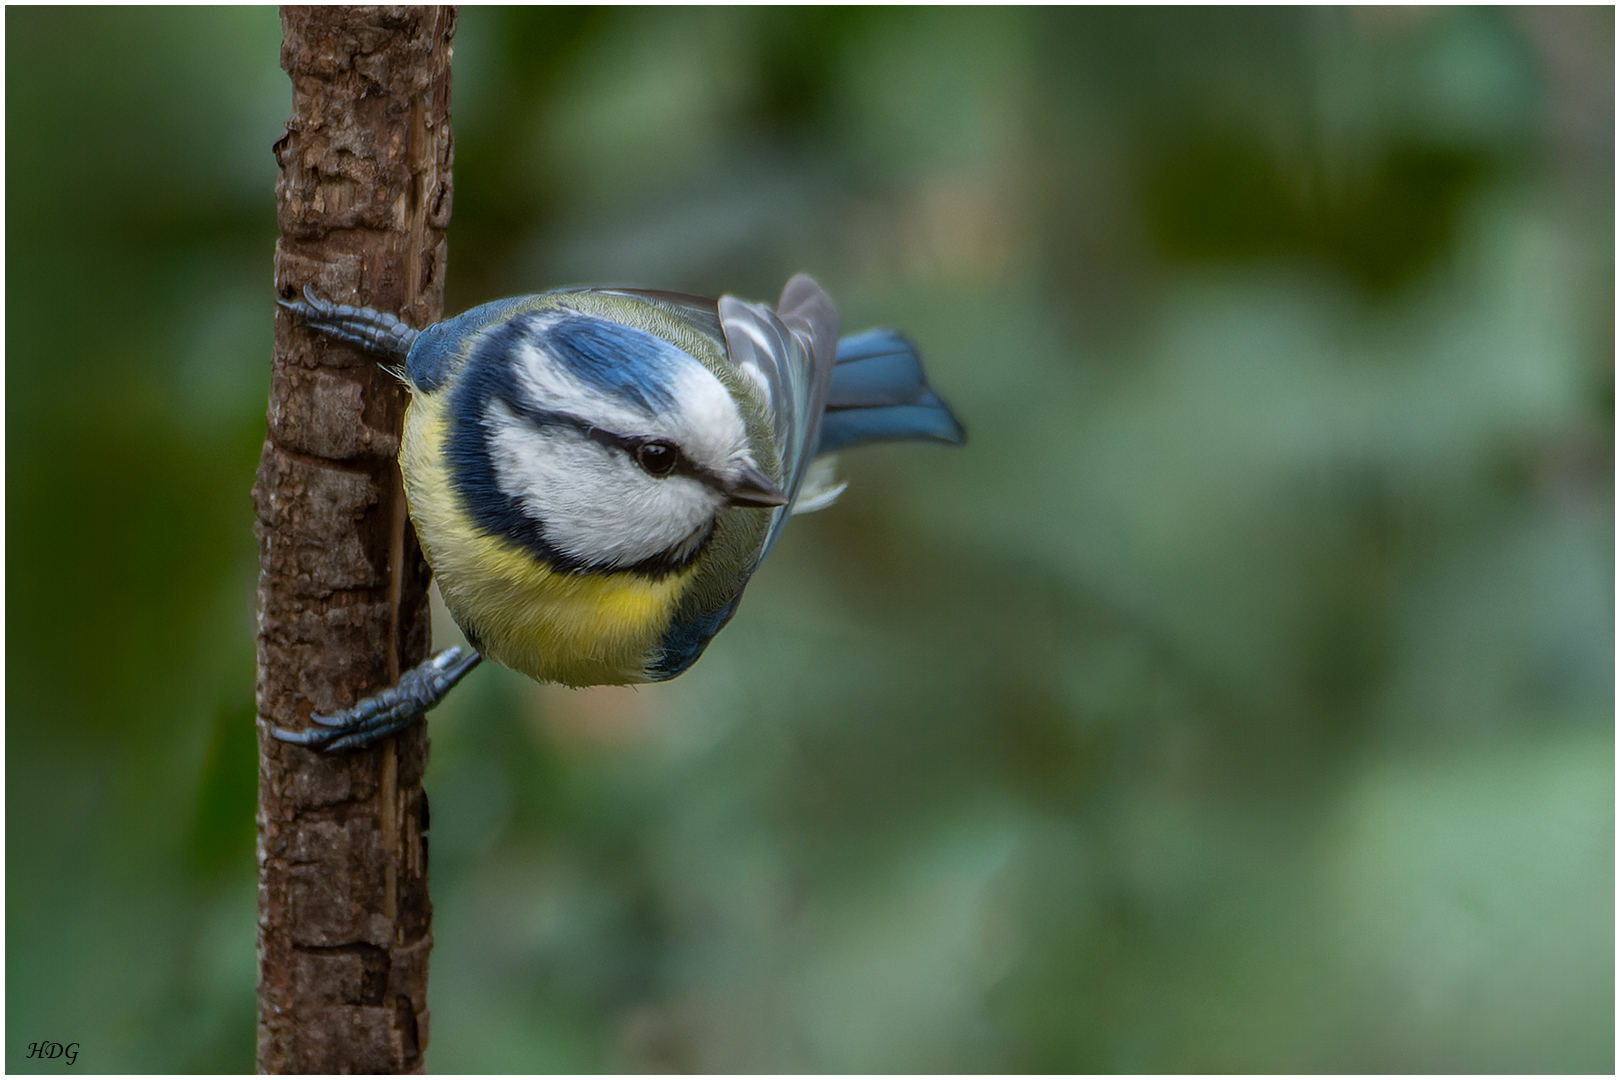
x=789, y=354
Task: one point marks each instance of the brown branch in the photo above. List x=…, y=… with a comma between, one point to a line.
x=363, y=200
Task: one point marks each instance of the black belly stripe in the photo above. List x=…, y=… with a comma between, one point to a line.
x=688, y=635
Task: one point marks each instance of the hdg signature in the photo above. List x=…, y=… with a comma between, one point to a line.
x=70, y=1052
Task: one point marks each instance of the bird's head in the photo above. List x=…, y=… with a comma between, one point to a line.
x=601, y=445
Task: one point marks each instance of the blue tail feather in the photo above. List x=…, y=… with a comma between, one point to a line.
x=879, y=392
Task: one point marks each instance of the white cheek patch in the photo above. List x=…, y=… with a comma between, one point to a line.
x=594, y=504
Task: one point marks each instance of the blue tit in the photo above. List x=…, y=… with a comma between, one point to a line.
x=595, y=474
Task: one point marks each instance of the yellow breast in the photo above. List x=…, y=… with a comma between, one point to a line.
x=576, y=629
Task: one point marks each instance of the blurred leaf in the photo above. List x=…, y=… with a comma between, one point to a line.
x=1215, y=199
x=228, y=794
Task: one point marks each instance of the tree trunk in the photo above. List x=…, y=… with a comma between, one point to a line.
x=363, y=200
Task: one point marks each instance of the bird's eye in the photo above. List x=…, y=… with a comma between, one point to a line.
x=656, y=458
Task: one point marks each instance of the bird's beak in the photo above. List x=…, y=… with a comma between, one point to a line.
x=753, y=488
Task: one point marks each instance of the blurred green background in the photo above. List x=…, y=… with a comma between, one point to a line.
x=1240, y=699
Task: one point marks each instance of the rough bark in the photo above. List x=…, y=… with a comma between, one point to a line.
x=363, y=200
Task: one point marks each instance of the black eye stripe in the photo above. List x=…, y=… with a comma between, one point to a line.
x=630, y=444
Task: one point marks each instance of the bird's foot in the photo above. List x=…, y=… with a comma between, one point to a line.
x=387, y=711
x=375, y=331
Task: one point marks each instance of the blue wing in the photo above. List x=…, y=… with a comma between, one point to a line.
x=878, y=391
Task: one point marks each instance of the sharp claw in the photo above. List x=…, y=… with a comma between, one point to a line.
x=310, y=305
x=305, y=737
x=341, y=719
x=364, y=738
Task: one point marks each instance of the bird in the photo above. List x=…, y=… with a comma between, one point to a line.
x=594, y=474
